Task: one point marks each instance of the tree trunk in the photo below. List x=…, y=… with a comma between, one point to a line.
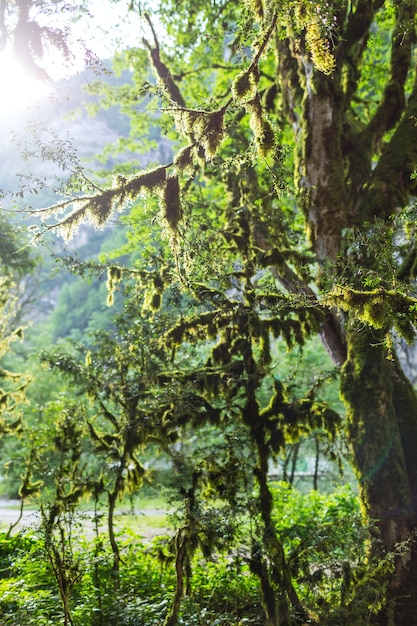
x=382, y=430
x=381, y=403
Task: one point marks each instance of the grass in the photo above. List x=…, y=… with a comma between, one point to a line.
x=146, y=516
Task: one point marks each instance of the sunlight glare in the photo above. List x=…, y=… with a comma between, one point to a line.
x=20, y=90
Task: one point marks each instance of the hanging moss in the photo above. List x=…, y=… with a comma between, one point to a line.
x=205, y=129
x=145, y=181
x=213, y=134
x=244, y=86
x=262, y=129
x=98, y=208
x=171, y=202
x=265, y=357
x=114, y=276
x=156, y=301
x=319, y=49
x=207, y=324
x=184, y=158
x=221, y=353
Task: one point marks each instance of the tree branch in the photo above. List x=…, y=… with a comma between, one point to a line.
x=358, y=24
x=391, y=183
x=161, y=69
x=393, y=100
x=99, y=207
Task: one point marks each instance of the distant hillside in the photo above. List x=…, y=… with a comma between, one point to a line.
x=63, y=301
x=87, y=135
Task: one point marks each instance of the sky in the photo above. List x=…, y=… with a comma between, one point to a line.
x=20, y=90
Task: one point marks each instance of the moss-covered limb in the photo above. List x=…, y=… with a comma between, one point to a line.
x=379, y=308
x=393, y=100
x=99, y=207
x=161, y=69
x=374, y=434
x=391, y=183
x=358, y=25
x=361, y=144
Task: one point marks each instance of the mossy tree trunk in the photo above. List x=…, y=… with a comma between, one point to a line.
x=382, y=430
x=341, y=188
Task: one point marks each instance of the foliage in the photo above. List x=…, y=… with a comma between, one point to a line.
x=276, y=218
x=15, y=264
x=223, y=591
x=134, y=401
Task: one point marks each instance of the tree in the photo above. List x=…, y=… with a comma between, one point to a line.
x=24, y=25
x=15, y=265
x=295, y=152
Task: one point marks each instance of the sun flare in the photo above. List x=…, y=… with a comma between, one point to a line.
x=19, y=89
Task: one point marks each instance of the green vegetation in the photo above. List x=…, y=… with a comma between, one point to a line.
x=221, y=589
x=228, y=341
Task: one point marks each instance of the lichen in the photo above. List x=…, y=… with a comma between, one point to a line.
x=114, y=276
x=319, y=49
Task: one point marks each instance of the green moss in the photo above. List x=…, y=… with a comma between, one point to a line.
x=373, y=429
x=171, y=202
x=379, y=308
x=261, y=127
x=244, y=85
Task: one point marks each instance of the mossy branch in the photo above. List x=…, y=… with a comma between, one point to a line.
x=246, y=81
x=161, y=69
x=393, y=100
x=380, y=308
x=358, y=23
x=392, y=181
x=99, y=207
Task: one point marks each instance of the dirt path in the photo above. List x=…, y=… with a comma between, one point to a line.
x=10, y=510
x=9, y=514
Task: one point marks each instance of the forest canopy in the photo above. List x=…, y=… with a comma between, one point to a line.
x=267, y=190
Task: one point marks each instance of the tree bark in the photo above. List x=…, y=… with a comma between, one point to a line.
x=382, y=430
x=334, y=166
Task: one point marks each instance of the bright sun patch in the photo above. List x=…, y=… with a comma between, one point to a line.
x=19, y=89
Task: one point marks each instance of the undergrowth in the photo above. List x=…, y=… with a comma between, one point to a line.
x=324, y=546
